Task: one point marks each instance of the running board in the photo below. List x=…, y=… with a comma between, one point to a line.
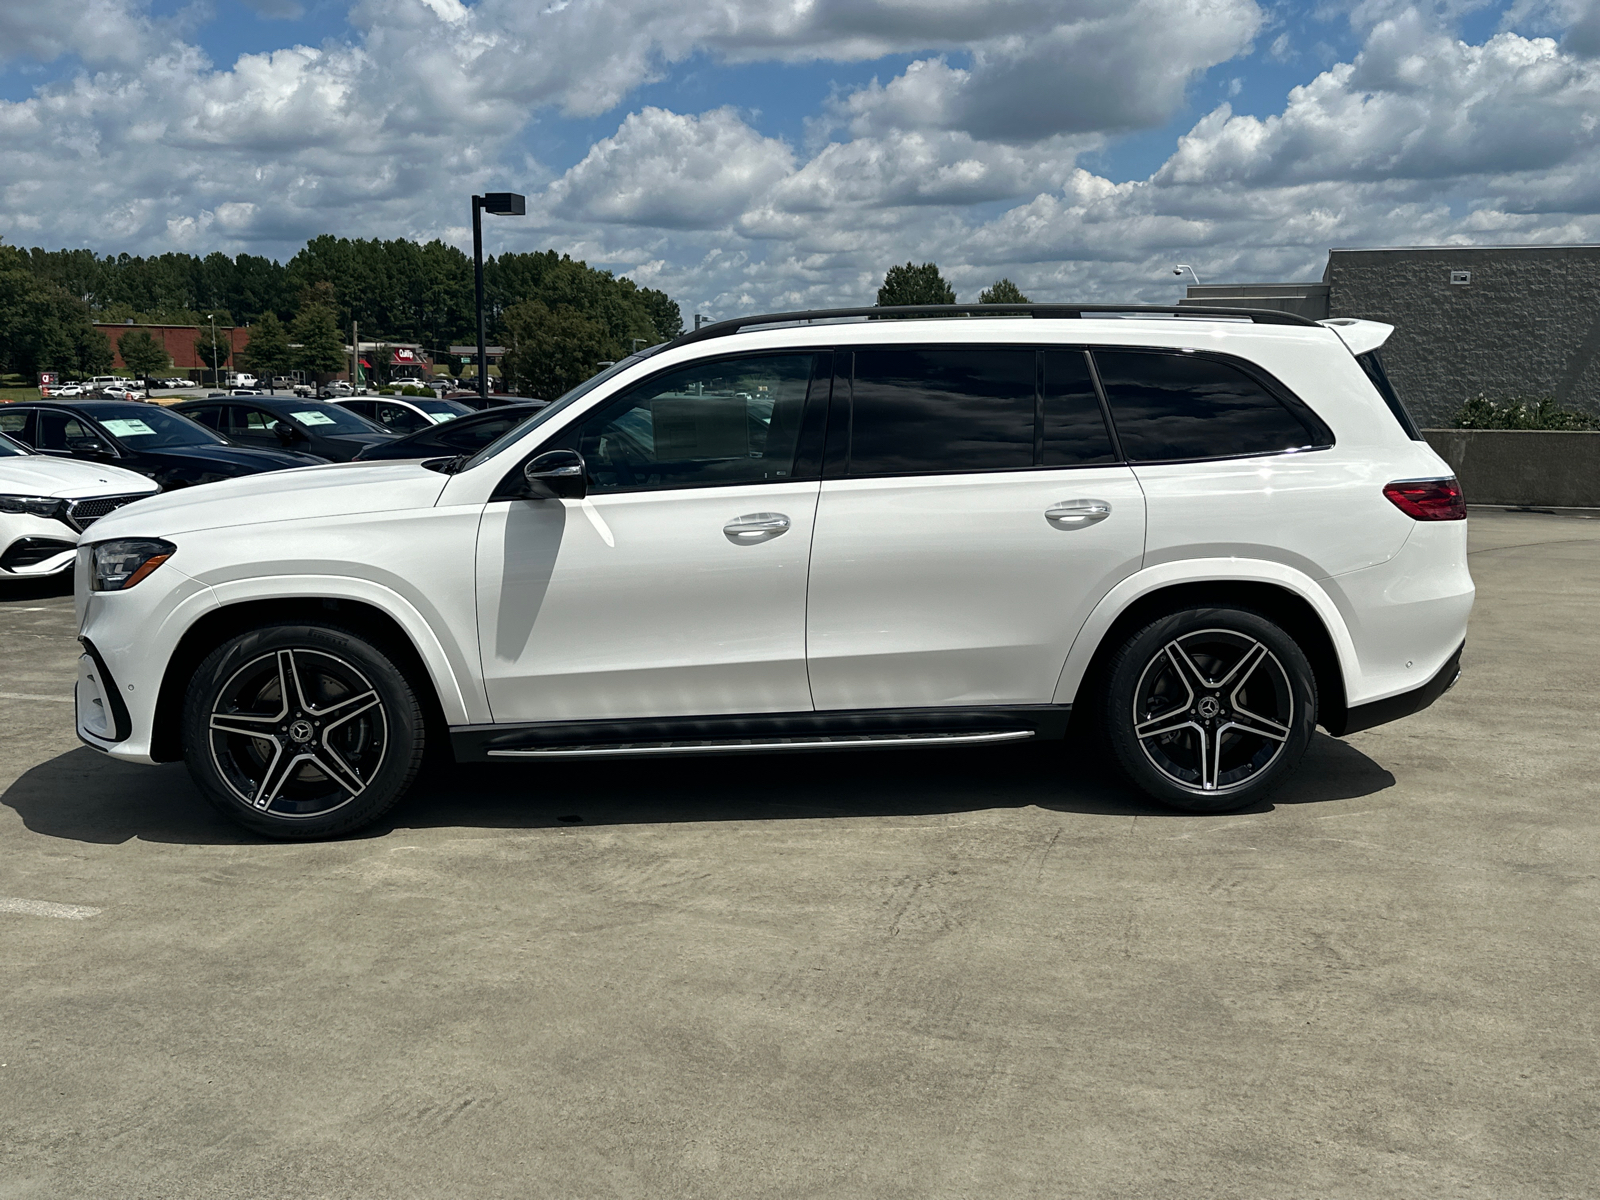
x=755, y=746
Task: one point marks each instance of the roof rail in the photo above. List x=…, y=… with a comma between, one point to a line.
x=1196, y=312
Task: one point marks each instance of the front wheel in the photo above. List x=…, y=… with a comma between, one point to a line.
x=302, y=731
x=1209, y=709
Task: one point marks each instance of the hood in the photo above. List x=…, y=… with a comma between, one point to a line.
x=341, y=489
x=249, y=458
x=68, y=478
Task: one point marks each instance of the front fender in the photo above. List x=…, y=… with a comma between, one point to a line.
x=446, y=663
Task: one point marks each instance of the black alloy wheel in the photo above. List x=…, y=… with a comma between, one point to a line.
x=1209, y=709
x=302, y=731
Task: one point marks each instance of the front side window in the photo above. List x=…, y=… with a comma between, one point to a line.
x=252, y=423
x=18, y=424
x=1178, y=405
x=62, y=431
x=724, y=422
x=923, y=411
x=398, y=417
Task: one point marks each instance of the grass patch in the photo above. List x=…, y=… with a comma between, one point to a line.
x=18, y=393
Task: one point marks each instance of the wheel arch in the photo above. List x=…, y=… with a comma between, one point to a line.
x=219, y=624
x=1299, y=615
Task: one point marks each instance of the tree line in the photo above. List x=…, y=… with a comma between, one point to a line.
x=396, y=291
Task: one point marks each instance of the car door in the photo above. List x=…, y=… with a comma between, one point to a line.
x=251, y=426
x=973, y=511
x=678, y=586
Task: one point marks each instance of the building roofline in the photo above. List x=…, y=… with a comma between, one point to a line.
x=1516, y=246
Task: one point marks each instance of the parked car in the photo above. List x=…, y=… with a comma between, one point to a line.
x=464, y=435
x=46, y=503
x=335, y=389
x=1204, y=533
x=493, y=400
x=404, y=414
x=67, y=389
x=287, y=422
x=117, y=391
x=153, y=441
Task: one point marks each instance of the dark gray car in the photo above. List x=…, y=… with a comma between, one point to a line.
x=287, y=422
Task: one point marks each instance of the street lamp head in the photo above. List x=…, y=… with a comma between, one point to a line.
x=505, y=204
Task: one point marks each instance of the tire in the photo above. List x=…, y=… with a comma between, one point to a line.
x=302, y=731
x=1208, y=709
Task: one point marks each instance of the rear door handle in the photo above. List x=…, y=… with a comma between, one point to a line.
x=756, y=527
x=1077, y=514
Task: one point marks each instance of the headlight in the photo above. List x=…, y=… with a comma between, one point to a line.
x=121, y=564
x=34, y=506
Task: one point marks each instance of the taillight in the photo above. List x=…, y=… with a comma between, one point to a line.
x=1428, y=499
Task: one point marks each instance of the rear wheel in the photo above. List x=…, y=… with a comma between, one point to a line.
x=302, y=731
x=1209, y=709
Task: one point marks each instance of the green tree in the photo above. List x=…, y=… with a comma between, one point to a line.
x=213, y=348
x=1002, y=291
x=142, y=354
x=319, y=348
x=43, y=327
x=268, y=352
x=912, y=284
x=552, y=350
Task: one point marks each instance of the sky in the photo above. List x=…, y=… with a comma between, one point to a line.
x=765, y=155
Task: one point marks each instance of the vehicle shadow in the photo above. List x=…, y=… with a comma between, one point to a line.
x=86, y=797
x=36, y=589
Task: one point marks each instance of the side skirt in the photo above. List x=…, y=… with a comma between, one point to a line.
x=760, y=732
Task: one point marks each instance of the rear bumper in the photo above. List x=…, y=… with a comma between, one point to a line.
x=1381, y=712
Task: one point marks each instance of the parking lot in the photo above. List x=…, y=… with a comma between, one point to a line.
x=940, y=973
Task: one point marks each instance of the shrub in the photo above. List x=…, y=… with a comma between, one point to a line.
x=1541, y=412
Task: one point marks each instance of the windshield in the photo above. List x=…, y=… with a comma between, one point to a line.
x=9, y=448
x=442, y=410
x=561, y=402
x=146, y=427
x=330, y=418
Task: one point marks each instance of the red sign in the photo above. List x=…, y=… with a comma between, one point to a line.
x=402, y=355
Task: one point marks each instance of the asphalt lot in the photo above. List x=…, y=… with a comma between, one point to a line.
x=936, y=974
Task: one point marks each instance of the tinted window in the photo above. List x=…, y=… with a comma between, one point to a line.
x=1183, y=406
x=480, y=433
x=1074, y=427
x=915, y=412
x=19, y=424
x=61, y=431
x=252, y=424
x=732, y=421
x=209, y=417
x=399, y=418
x=1372, y=364
x=146, y=427
x=10, y=449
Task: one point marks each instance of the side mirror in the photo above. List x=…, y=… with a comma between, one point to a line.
x=556, y=475
x=89, y=446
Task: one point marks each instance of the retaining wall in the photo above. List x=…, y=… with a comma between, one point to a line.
x=1523, y=467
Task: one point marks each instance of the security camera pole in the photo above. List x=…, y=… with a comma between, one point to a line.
x=501, y=204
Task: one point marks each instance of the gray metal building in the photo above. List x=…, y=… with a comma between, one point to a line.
x=1511, y=322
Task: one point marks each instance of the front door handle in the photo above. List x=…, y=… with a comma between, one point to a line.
x=1077, y=514
x=756, y=527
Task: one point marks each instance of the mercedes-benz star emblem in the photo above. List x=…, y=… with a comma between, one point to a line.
x=1208, y=707
x=301, y=732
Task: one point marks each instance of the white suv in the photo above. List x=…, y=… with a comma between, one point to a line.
x=1207, y=531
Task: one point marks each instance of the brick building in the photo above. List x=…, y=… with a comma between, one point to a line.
x=178, y=341
x=1511, y=322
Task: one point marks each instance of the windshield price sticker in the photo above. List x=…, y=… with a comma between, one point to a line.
x=312, y=418
x=128, y=427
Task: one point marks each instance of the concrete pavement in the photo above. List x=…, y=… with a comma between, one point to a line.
x=936, y=974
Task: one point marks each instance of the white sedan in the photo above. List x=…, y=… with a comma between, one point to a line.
x=47, y=502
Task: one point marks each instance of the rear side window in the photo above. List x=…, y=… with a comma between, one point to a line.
x=1175, y=406
x=1372, y=364
x=935, y=411
x=1074, y=425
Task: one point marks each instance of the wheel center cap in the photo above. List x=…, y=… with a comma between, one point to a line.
x=301, y=732
x=1208, y=707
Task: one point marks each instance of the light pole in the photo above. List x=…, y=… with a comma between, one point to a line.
x=216, y=375
x=1182, y=267
x=500, y=204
